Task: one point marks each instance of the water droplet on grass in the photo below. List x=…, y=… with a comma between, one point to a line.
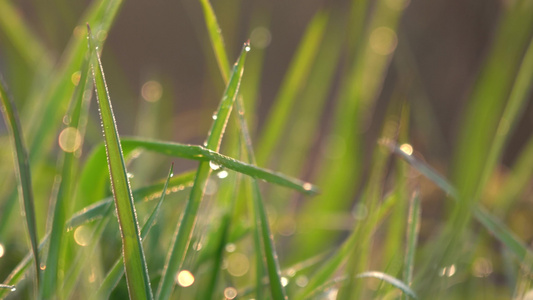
x=214, y=166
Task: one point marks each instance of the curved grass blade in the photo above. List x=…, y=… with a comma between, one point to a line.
x=490, y=222
x=263, y=235
x=115, y=274
x=134, y=261
x=187, y=223
x=23, y=171
x=204, y=154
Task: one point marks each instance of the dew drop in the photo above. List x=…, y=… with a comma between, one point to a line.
x=284, y=281
x=130, y=175
x=13, y=289
x=222, y=174
x=2, y=250
x=214, y=166
x=247, y=48
x=307, y=186
x=215, y=116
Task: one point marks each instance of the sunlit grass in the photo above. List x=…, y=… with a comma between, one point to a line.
x=322, y=212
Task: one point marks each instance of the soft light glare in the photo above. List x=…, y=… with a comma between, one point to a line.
x=81, y=236
x=185, y=278
x=260, y=37
x=383, y=41
x=230, y=293
x=407, y=149
x=75, y=78
x=152, y=91
x=238, y=264
x=70, y=139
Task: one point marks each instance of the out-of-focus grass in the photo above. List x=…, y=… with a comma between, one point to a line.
x=371, y=232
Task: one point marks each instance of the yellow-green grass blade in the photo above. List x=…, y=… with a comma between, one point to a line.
x=74, y=133
x=294, y=81
x=49, y=105
x=22, y=37
x=413, y=229
x=115, y=274
x=22, y=167
x=50, y=109
x=134, y=261
x=490, y=222
x=262, y=235
x=517, y=100
x=183, y=234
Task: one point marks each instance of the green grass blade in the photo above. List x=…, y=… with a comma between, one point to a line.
x=24, y=40
x=217, y=40
x=187, y=223
x=515, y=106
x=23, y=171
x=262, y=227
x=293, y=82
x=204, y=154
x=19, y=271
x=413, y=229
x=115, y=274
x=391, y=280
x=491, y=223
x=134, y=261
x=66, y=165
x=46, y=119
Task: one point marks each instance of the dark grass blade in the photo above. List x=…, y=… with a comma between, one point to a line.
x=23, y=171
x=181, y=240
x=134, y=261
x=115, y=274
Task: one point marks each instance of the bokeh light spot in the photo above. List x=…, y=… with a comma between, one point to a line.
x=152, y=91
x=407, y=149
x=70, y=139
x=185, y=278
x=383, y=40
x=260, y=37
x=238, y=264
x=230, y=293
x=81, y=236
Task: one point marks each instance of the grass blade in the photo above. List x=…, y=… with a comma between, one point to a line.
x=262, y=229
x=115, y=274
x=413, y=228
x=23, y=171
x=66, y=165
x=293, y=82
x=491, y=223
x=134, y=261
x=204, y=154
x=187, y=223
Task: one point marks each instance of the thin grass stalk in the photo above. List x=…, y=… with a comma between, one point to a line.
x=134, y=261
x=183, y=233
x=413, y=229
x=22, y=167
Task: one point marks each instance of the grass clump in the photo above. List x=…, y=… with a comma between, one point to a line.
x=96, y=206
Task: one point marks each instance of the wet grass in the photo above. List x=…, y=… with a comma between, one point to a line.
x=241, y=225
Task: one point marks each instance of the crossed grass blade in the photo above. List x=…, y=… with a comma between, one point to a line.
x=134, y=260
